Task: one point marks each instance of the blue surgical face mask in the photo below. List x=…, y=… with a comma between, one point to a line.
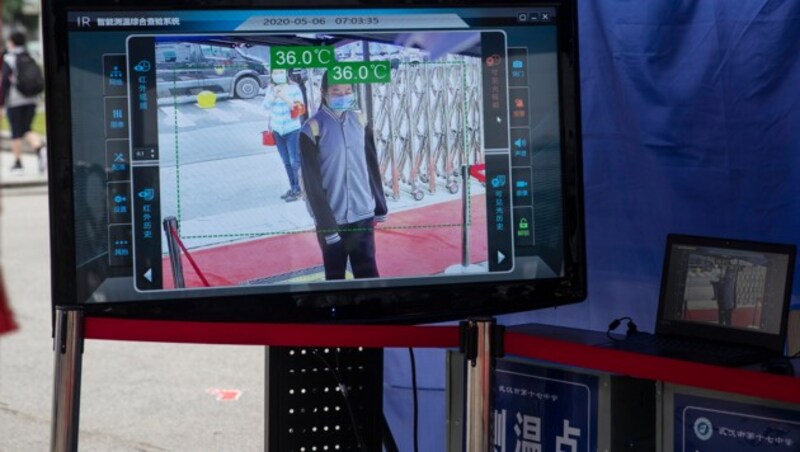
x=342, y=103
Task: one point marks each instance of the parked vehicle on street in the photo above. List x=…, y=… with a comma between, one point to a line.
x=186, y=68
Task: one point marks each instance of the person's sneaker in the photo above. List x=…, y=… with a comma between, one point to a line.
x=17, y=168
x=42, y=154
x=293, y=196
x=287, y=194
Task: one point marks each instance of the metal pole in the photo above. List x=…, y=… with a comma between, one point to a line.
x=479, y=374
x=171, y=224
x=68, y=347
x=393, y=132
x=465, y=248
x=430, y=163
x=368, y=86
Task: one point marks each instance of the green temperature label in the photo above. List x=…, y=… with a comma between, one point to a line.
x=360, y=72
x=301, y=57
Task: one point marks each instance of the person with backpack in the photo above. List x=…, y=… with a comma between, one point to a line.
x=342, y=180
x=22, y=83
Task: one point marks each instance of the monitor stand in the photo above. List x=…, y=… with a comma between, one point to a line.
x=481, y=341
x=68, y=350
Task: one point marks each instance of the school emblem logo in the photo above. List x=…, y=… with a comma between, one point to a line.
x=703, y=428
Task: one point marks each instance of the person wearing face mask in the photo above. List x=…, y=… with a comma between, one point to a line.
x=342, y=182
x=282, y=101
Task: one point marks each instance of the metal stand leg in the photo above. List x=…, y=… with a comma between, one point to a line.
x=481, y=342
x=68, y=347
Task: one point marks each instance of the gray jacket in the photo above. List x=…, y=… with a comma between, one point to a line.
x=341, y=175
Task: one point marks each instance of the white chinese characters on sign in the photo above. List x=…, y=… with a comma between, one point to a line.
x=568, y=439
x=756, y=437
x=528, y=433
x=499, y=443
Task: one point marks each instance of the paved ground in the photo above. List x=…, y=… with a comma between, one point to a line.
x=135, y=396
x=30, y=177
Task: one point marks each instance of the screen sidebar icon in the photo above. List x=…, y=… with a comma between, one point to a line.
x=498, y=205
x=147, y=228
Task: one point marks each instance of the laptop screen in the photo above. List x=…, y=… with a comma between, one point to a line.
x=726, y=285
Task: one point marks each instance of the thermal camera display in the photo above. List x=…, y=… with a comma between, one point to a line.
x=264, y=153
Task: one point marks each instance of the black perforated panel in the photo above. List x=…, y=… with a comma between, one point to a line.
x=306, y=409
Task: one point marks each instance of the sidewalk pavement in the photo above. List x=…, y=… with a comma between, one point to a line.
x=30, y=177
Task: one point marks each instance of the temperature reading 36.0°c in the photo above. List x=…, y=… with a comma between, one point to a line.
x=360, y=72
x=297, y=57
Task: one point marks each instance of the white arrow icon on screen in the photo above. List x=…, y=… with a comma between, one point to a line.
x=500, y=257
x=148, y=275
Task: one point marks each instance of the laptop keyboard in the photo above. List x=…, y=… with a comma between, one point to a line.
x=705, y=352
x=706, y=348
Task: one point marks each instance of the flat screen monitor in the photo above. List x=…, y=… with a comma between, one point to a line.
x=356, y=161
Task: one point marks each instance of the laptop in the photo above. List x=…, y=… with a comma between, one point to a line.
x=723, y=302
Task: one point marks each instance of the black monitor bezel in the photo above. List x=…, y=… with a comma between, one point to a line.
x=396, y=305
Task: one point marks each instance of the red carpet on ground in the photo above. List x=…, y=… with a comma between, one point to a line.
x=403, y=248
x=742, y=317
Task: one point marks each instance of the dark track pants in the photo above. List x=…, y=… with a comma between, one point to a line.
x=357, y=244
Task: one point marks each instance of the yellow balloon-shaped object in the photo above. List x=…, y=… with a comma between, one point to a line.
x=206, y=99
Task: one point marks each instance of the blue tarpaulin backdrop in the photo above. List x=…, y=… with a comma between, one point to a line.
x=691, y=124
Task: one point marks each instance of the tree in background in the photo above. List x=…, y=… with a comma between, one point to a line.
x=20, y=15
x=12, y=10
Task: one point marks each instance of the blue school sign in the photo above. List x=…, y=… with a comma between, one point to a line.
x=538, y=409
x=703, y=424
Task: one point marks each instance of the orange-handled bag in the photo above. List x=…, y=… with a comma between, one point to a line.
x=267, y=138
